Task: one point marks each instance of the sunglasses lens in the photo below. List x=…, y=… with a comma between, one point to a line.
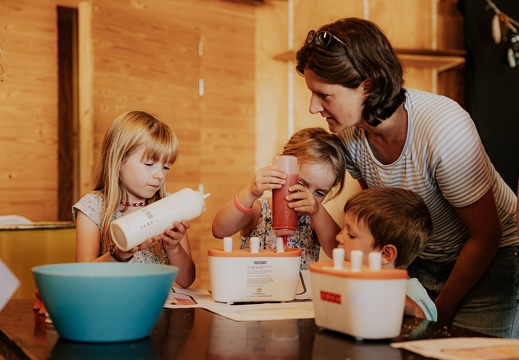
x=310, y=37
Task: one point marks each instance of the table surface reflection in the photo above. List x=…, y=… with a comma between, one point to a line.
x=200, y=334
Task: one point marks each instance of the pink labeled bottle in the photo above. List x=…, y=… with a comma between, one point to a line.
x=284, y=219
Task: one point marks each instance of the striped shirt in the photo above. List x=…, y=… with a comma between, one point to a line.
x=444, y=161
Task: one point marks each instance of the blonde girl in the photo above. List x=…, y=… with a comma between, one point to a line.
x=321, y=159
x=137, y=152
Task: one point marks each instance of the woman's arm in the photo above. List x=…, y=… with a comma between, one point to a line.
x=482, y=221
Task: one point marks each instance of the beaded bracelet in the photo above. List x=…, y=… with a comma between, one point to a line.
x=239, y=206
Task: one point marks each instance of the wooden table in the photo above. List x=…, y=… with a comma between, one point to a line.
x=201, y=334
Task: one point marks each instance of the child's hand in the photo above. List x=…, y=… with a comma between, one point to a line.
x=171, y=237
x=412, y=309
x=302, y=200
x=267, y=178
x=145, y=245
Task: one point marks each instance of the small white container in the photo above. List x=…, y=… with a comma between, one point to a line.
x=133, y=229
x=366, y=304
x=243, y=276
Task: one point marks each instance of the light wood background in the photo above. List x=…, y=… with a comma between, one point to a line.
x=145, y=54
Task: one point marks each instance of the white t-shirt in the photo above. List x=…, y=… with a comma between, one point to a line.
x=444, y=161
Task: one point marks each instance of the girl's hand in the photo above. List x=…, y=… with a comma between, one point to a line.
x=267, y=178
x=302, y=200
x=145, y=245
x=171, y=237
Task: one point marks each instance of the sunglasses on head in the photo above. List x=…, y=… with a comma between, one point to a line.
x=321, y=39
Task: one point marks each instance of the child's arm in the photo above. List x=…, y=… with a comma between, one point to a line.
x=412, y=309
x=88, y=240
x=176, y=244
x=325, y=227
x=230, y=219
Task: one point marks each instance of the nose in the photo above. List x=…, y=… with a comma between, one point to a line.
x=159, y=175
x=315, y=105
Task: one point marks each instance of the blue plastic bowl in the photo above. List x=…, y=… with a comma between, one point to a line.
x=104, y=302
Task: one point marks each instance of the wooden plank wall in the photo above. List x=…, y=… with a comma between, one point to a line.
x=135, y=55
x=143, y=54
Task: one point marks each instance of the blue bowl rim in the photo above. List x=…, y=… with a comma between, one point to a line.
x=52, y=269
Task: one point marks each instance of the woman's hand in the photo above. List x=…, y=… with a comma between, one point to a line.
x=171, y=237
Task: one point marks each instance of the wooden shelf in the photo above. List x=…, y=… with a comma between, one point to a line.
x=441, y=60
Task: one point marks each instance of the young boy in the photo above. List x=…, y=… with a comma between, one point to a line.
x=395, y=222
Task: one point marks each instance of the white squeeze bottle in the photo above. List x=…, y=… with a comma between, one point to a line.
x=133, y=229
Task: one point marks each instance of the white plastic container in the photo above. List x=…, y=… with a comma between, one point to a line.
x=364, y=303
x=133, y=229
x=243, y=276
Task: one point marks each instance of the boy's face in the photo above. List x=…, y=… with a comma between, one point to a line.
x=355, y=236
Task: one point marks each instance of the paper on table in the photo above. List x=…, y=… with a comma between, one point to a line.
x=9, y=284
x=266, y=311
x=300, y=308
x=463, y=348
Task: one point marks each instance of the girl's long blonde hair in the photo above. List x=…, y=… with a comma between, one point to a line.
x=127, y=134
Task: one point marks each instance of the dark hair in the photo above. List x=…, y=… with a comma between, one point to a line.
x=366, y=54
x=394, y=216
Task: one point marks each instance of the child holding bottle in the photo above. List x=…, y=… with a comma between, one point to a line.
x=137, y=152
x=321, y=160
x=396, y=223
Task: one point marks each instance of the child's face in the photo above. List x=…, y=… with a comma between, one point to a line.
x=142, y=177
x=318, y=178
x=355, y=236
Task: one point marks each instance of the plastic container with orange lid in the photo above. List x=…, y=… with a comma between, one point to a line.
x=366, y=302
x=254, y=276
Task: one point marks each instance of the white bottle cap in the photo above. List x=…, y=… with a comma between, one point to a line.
x=338, y=258
x=254, y=244
x=280, y=247
x=375, y=260
x=227, y=244
x=356, y=260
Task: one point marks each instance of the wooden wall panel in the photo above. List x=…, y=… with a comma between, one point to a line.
x=28, y=109
x=307, y=16
x=407, y=23
x=137, y=55
x=227, y=123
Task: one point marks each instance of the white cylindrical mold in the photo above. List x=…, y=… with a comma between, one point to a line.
x=356, y=260
x=254, y=244
x=280, y=246
x=338, y=258
x=375, y=260
x=227, y=244
x=133, y=229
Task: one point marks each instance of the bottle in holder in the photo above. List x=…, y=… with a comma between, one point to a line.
x=284, y=219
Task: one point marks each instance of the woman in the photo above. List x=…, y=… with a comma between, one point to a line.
x=399, y=137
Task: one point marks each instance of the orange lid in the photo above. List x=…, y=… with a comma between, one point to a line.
x=246, y=253
x=326, y=268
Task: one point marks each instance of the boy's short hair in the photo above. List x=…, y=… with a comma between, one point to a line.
x=394, y=216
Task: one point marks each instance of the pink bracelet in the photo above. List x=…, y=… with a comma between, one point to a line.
x=239, y=206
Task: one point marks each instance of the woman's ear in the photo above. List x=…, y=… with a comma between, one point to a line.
x=366, y=87
x=389, y=254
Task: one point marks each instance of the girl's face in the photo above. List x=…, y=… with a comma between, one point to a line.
x=318, y=178
x=142, y=177
x=341, y=106
x=355, y=236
